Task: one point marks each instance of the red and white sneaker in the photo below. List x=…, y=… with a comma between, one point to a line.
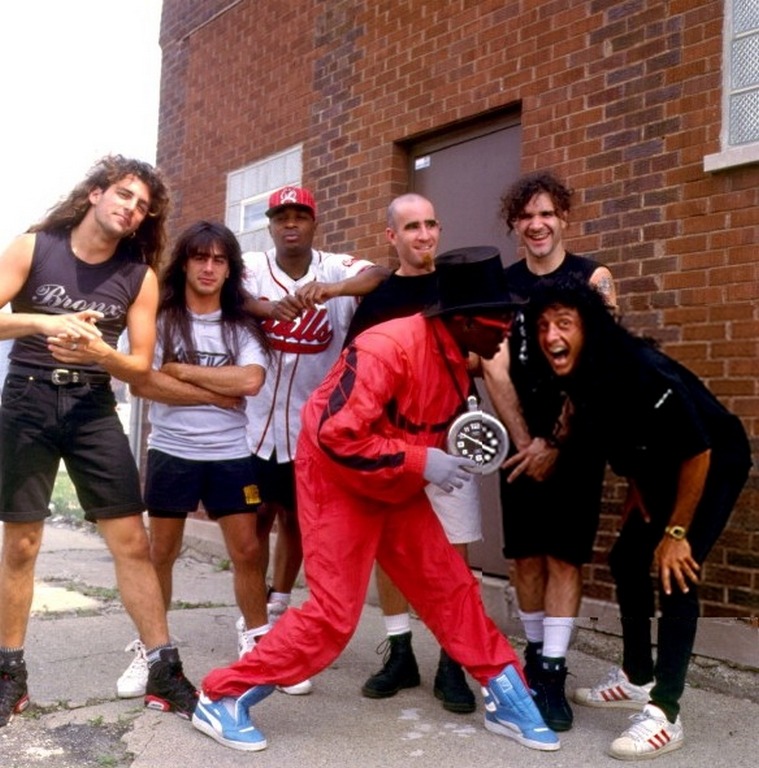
x=616, y=691
x=650, y=735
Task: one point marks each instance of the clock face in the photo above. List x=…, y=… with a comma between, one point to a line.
x=480, y=437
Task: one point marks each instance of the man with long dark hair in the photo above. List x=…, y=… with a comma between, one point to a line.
x=75, y=281
x=686, y=459
x=211, y=355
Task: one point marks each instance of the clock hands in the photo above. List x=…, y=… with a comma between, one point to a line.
x=479, y=443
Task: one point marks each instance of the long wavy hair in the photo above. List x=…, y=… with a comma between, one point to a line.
x=607, y=344
x=519, y=194
x=148, y=241
x=201, y=237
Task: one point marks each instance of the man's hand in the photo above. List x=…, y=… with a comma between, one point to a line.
x=537, y=461
x=287, y=308
x=74, y=339
x=315, y=293
x=71, y=327
x=673, y=558
x=446, y=471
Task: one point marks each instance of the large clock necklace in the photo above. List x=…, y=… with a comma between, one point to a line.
x=479, y=436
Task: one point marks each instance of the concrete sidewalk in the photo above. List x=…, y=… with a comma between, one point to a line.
x=75, y=654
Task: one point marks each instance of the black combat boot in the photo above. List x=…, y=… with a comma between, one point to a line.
x=399, y=671
x=451, y=686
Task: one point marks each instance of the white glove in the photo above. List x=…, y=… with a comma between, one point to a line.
x=446, y=471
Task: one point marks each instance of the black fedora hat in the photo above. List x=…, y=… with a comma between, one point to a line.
x=470, y=281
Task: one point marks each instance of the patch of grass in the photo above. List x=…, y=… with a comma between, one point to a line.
x=64, y=501
x=223, y=564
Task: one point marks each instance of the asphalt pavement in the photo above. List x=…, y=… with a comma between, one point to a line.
x=75, y=654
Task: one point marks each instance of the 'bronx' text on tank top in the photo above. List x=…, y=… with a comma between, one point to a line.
x=54, y=297
x=308, y=334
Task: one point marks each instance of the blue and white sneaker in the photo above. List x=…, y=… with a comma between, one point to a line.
x=227, y=720
x=510, y=711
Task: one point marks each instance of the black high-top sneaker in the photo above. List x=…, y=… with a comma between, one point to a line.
x=168, y=690
x=14, y=694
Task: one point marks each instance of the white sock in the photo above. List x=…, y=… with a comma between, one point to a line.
x=279, y=597
x=399, y=624
x=533, y=625
x=557, y=632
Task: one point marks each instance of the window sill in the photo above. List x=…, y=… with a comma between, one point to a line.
x=731, y=158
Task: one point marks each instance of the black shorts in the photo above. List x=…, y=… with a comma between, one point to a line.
x=277, y=481
x=557, y=517
x=175, y=487
x=42, y=423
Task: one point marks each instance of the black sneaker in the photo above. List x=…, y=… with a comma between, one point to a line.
x=168, y=690
x=14, y=695
x=552, y=701
x=451, y=686
x=399, y=671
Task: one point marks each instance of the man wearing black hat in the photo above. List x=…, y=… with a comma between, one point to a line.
x=371, y=439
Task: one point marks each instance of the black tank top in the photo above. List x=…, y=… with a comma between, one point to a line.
x=60, y=283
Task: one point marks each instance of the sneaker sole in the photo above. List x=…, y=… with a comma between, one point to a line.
x=205, y=727
x=512, y=732
x=161, y=705
x=671, y=747
x=372, y=693
x=130, y=693
x=612, y=704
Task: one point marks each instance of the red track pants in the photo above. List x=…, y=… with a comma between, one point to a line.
x=342, y=535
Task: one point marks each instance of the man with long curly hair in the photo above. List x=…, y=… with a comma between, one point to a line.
x=686, y=459
x=75, y=281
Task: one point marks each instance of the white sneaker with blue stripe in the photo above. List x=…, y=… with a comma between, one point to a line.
x=510, y=711
x=227, y=720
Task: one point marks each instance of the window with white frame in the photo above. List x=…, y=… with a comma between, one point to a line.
x=248, y=191
x=739, y=137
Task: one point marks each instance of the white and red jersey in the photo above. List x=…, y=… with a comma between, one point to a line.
x=303, y=349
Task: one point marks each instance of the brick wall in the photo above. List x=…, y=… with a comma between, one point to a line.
x=622, y=97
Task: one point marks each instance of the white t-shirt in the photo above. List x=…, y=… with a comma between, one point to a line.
x=303, y=350
x=204, y=432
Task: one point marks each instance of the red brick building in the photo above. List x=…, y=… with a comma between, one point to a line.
x=649, y=109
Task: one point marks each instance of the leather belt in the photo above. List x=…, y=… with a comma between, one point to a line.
x=58, y=376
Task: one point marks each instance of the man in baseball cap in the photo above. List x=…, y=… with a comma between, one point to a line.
x=299, y=197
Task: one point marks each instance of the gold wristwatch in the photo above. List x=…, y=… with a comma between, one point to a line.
x=676, y=532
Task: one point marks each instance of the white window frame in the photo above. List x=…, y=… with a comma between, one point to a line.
x=248, y=191
x=732, y=155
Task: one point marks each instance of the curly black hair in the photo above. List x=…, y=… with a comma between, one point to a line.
x=519, y=194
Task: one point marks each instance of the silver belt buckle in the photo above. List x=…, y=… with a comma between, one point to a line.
x=61, y=376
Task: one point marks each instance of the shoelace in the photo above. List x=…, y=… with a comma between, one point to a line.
x=644, y=726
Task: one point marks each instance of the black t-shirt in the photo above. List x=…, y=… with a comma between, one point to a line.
x=398, y=296
x=653, y=414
